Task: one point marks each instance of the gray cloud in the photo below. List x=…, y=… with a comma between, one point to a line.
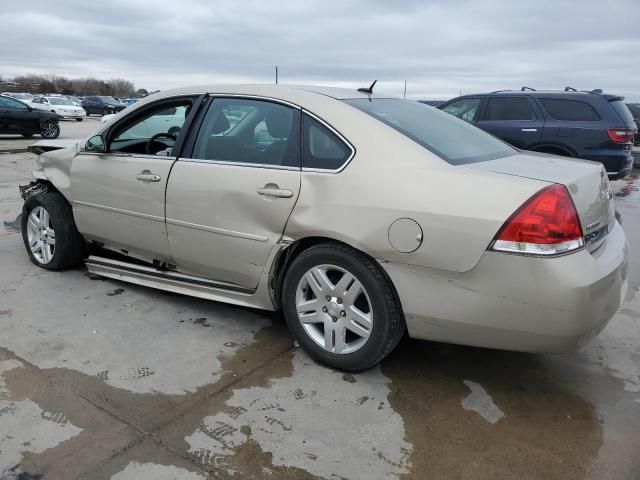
x=439, y=47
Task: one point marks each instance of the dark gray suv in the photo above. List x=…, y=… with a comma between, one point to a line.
x=589, y=125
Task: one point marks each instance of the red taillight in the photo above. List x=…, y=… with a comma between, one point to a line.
x=547, y=224
x=620, y=135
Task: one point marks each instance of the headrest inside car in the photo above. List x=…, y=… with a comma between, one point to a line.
x=278, y=121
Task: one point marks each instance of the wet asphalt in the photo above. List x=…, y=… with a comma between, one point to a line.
x=102, y=379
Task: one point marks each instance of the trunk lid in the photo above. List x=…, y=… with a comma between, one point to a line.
x=586, y=181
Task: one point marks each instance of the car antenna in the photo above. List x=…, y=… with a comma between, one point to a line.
x=527, y=88
x=570, y=89
x=368, y=90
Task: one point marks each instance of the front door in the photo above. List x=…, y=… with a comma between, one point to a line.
x=516, y=120
x=118, y=195
x=231, y=193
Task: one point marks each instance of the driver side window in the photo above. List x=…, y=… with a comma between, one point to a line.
x=154, y=131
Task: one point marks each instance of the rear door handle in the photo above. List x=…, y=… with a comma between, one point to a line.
x=529, y=130
x=273, y=191
x=147, y=176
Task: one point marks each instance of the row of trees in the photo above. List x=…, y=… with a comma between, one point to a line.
x=117, y=87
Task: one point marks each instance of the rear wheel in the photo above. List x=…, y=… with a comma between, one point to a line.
x=79, y=119
x=49, y=129
x=49, y=232
x=341, y=308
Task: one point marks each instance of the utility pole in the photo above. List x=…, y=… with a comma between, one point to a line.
x=276, y=74
x=405, y=89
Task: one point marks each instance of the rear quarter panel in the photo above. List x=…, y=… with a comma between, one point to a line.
x=391, y=177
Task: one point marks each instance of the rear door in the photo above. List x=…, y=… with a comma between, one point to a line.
x=515, y=119
x=231, y=193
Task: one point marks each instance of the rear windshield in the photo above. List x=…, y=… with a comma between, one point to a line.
x=450, y=138
x=621, y=109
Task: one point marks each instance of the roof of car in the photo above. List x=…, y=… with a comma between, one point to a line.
x=272, y=89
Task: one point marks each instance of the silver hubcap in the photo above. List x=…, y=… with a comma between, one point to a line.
x=334, y=309
x=40, y=234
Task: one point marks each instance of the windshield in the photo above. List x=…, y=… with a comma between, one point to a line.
x=452, y=139
x=59, y=101
x=110, y=100
x=74, y=99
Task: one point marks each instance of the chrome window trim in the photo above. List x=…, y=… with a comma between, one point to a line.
x=238, y=164
x=340, y=137
x=253, y=97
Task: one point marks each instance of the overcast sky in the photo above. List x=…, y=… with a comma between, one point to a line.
x=440, y=47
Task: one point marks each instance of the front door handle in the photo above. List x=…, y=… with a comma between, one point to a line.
x=147, y=176
x=272, y=190
x=529, y=130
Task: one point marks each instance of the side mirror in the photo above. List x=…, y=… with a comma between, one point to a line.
x=29, y=108
x=95, y=144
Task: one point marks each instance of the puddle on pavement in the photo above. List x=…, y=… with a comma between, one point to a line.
x=72, y=397
x=315, y=419
x=546, y=431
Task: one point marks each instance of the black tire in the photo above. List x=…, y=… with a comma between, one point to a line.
x=70, y=248
x=105, y=112
x=388, y=325
x=49, y=129
x=79, y=119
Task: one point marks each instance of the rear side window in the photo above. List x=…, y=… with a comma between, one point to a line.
x=249, y=131
x=509, y=108
x=570, y=110
x=322, y=148
x=621, y=109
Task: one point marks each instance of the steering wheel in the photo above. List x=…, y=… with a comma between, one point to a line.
x=154, y=138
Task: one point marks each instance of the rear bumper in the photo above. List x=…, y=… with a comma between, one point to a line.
x=617, y=163
x=515, y=302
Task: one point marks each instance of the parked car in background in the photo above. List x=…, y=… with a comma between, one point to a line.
x=75, y=100
x=588, y=125
x=18, y=117
x=634, y=108
x=23, y=97
x=62, y=106
x=101, y=105
x=328, y=204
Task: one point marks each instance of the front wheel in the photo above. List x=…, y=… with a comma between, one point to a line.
x=49, y=232
x=341, y=308
x=79, y=119
x=49, y=130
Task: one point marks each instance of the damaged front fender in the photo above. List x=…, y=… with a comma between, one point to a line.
x=53, y=164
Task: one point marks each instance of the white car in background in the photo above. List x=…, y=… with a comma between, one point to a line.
x=60, y=105
x=24, y=98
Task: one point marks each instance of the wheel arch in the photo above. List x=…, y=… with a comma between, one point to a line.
x=291, y=251
x=553, y=148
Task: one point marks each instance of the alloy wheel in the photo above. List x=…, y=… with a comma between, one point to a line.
x=48, y=130
x=41, y=236
x=334, y=309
